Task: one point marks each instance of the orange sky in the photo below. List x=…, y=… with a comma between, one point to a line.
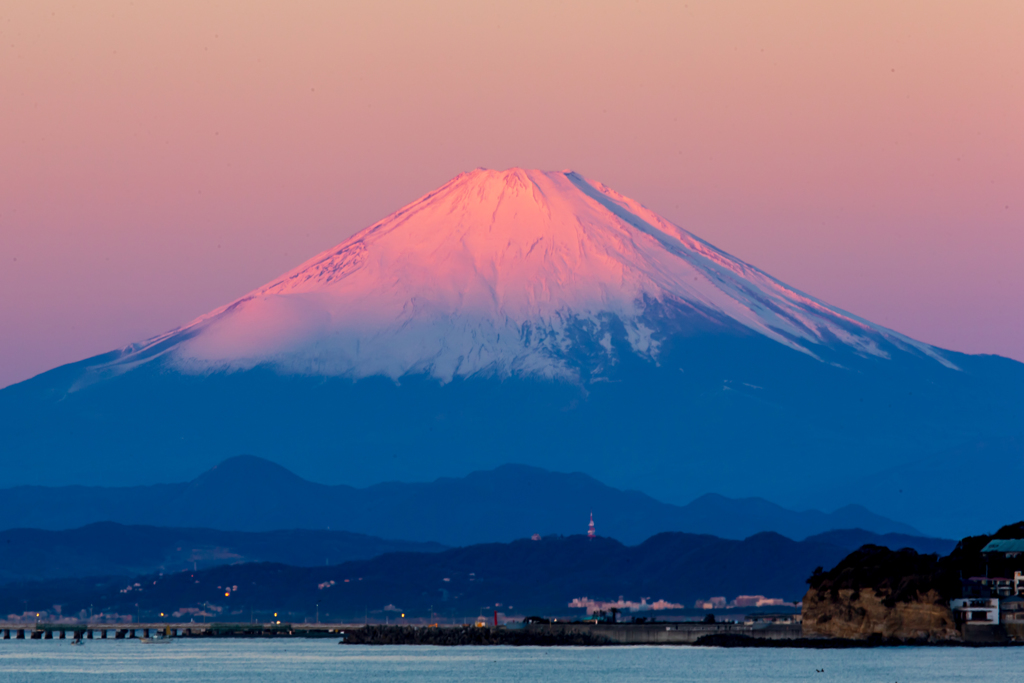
x=159, y=159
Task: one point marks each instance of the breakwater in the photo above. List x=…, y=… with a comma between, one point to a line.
x=579, y=634
x=570, y=634
x=555, y=634
x=466, y=635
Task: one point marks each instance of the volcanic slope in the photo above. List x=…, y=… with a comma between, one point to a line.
x=516, y=316
x=496, y=274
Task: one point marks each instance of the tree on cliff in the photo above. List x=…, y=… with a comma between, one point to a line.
x=894, y=576
x=969, y=561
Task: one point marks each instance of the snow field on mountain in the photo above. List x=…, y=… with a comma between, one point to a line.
x=494, y=273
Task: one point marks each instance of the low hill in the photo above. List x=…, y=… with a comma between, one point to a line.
x=881, y=592
x=878, y=592
x=852, y=539
x=521, y=577
x=246, y=493
x=106, y=548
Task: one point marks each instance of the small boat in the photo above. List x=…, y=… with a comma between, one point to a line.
x=155, y=639
x=77, y=641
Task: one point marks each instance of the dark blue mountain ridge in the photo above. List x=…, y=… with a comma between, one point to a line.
x=522, y=317
x=745, y=416
x=110, y=549
x=852, y=539
x=247, y=493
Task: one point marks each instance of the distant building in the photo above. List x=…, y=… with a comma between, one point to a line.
x=1011, y=610
x=1018, y=583
x=596, y=606
x=712, y=603
x=591, y=532
x=1005, y=547
x=774, y=618
x=758, y=601
x=997, y=585
x=975, y=611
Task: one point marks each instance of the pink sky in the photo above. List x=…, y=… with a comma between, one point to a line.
x=159, y=159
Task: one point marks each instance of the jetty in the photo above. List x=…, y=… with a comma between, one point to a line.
x=87, y=631
x=678, y=633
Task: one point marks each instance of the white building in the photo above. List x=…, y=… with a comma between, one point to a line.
x=977, y=611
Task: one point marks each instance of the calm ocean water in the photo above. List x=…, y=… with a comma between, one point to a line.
x=316, y=660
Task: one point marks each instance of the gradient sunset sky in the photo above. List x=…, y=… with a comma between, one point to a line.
x=158, y=159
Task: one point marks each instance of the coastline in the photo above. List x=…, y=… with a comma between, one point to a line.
x=568, y=634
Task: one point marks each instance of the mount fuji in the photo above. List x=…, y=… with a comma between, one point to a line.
x=497, y=274
x=517, y=316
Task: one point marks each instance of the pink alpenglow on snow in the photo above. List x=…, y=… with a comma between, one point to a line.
x=486, y=276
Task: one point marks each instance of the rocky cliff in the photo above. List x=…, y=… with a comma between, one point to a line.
x=861, y=614
x=876, y=592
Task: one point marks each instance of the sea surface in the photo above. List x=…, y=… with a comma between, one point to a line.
x=321, y=660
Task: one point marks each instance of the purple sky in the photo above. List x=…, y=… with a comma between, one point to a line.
x=159, y=161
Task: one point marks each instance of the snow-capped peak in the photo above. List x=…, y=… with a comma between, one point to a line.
x=491, y=273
